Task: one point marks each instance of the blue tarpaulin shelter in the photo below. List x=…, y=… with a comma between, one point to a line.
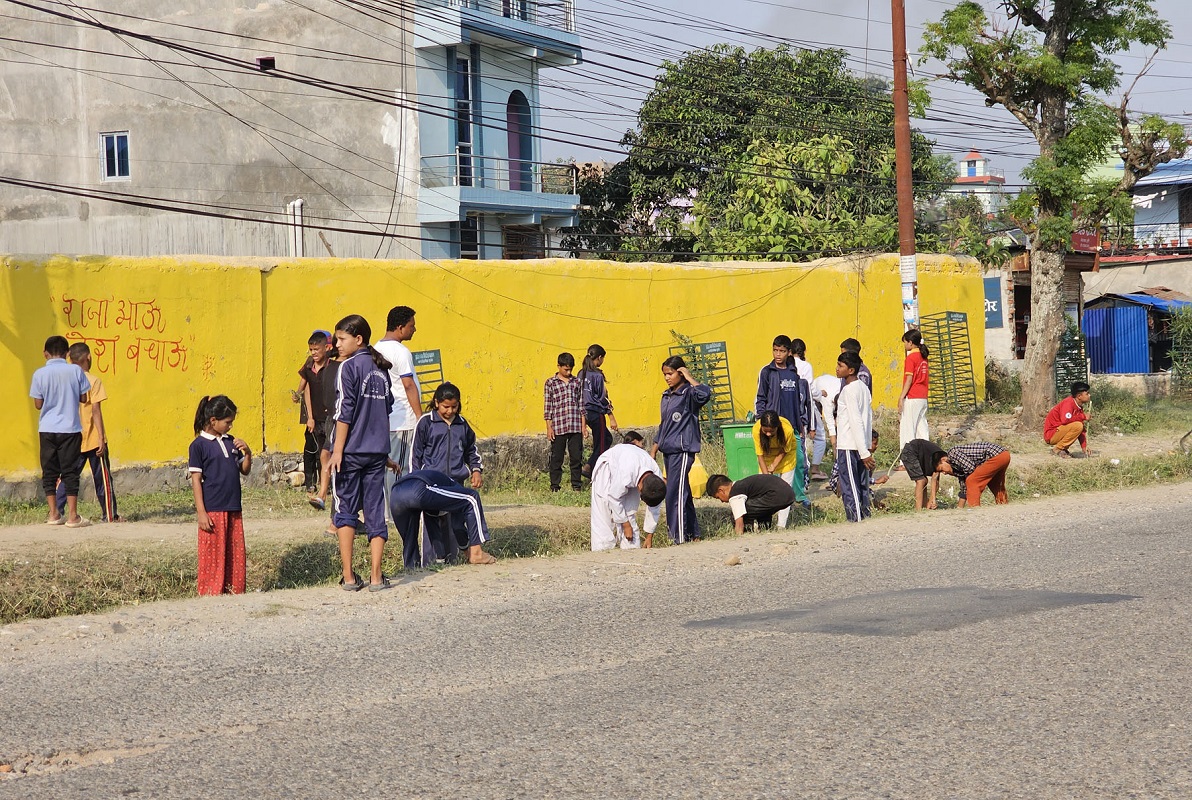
x=1130, y=333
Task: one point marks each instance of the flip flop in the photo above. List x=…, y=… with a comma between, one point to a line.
x=59, y=521
x=317, y=503
x=380, y=587
x=82, y=522
x=487, y=558
x=356, y=585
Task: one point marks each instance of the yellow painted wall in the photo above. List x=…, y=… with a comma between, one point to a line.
x=499, y=326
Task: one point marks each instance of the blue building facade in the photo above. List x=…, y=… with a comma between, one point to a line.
x=483, y=188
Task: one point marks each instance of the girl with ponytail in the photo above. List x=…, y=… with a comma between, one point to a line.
x=360, y=448
x=595, y=402
x=216, y=463
x=912, y=403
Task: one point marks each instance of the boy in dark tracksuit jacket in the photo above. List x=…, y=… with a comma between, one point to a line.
x=433, y=493
x=679, y=441
x=780, y=389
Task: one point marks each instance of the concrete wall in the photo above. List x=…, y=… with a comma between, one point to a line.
x=206, y=131
x=172, y=330
x=1157, y=216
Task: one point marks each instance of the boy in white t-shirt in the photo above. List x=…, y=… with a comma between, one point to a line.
x=399, y=328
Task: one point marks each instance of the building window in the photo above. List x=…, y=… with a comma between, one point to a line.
x=1185, y=206
x=516, y=9
x=463, y=121
x=469, y=237
x=113, y=152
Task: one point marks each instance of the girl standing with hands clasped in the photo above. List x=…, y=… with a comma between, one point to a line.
x=595, y=402
x=679, y=441
x=216, y=463
x=912, y=403
x=360, y=448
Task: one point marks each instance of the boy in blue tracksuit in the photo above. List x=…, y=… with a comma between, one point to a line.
x=679, y=441
x=780, y=389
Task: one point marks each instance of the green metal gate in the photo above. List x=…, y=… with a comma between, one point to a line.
x=953, y=384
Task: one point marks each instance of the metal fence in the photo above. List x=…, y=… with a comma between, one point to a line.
x=495, y=172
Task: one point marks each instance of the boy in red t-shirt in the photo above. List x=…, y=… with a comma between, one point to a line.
x=1066, y=422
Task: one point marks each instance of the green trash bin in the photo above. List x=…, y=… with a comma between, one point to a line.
x=739, y=457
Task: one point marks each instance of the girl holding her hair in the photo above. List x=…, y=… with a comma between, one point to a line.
x=912, y=402
x=777, y=450
x=679, y=441
x=360, y=448
x=595, y=402
x=216, y=463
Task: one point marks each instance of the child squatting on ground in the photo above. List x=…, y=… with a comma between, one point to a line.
x=1067, y=422
x=58, y=389
x=361, y=449
x=754, y=500
x=216, y=463
x=624, y=476
x=444, y=442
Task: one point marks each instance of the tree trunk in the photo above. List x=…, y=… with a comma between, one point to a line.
x=1042, y=337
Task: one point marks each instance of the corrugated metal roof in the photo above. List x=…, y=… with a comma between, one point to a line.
x=1173, y=172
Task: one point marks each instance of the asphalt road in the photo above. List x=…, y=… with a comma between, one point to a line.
x=1032, y=651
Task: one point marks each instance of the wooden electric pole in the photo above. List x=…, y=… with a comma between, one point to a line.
x=907, y=260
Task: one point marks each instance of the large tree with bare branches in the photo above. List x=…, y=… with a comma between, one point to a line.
x=1050, y=64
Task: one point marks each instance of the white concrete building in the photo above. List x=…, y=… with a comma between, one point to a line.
x=278, y=128
x=977, y=179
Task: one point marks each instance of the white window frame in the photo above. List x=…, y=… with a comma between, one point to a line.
x=103, y=155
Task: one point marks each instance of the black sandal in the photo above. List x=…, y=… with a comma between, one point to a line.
x=357, y=584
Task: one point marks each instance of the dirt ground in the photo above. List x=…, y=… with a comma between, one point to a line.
x=1026, y=450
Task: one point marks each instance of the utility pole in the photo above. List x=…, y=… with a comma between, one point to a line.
x=908, y=265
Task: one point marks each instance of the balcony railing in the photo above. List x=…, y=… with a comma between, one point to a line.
x=559, y=14
x=491, y=172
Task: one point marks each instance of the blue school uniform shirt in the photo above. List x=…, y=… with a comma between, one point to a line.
x=218, y=461
x=59, y=386
x=678, y=431
x=780, y=389
x=450, y=449
x=363, y=399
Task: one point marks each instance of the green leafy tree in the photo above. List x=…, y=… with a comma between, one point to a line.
x=794, y=201
x=960, y=224
x=1049, y=64
x=714, y=114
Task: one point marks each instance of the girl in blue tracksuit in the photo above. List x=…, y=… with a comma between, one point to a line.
x=360, y=447
x=595, y=403
x=679, y=441
x=445, y=442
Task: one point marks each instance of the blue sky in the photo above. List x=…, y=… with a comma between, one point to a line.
x=594, y=101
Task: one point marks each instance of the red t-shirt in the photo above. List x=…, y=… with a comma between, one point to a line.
x=1064, y=412
x=916, y=367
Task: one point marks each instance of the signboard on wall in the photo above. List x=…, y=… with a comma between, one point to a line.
x=993, y=303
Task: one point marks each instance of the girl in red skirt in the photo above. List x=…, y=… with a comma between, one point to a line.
x=216, y=463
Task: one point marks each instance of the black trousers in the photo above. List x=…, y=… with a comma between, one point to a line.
x=573, y=444
x=60, y=462
x=101, y=472
x=311, y=462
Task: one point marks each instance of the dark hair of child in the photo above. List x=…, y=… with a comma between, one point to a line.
x=356, y=325
x=445, y=391
x=715, y=482
x=218, y=407
x=1078, y=387
x=851, y=345
x=398, y=316
x=78, y=350
x=318, y=337
x=850, y=360
x=653, y=489
x=916, y=338
x=57, y=346
x=566, y=360
x=675, y=362
x=782, y=340
x=770, y=419
x=594, y=352
x=632, y=437
x=936, y=457
x=799, y=348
